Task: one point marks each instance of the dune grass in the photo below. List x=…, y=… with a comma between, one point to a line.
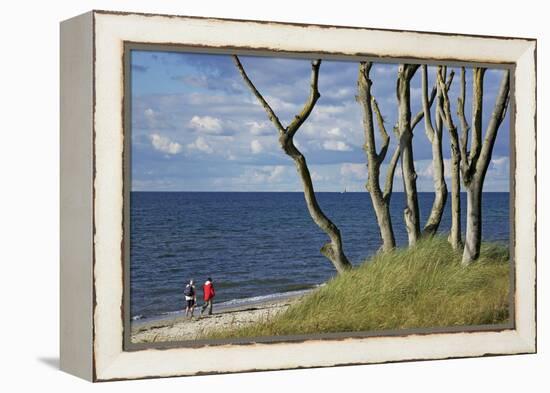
x=418, y=287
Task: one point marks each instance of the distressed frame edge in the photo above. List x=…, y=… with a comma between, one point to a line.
x=528, y=340
x=304, y=24
x=76, y=196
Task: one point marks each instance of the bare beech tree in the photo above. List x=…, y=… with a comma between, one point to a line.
x=380, y=199
x=434, y=135
x=474, y=164
x=455, y=236
x=333, y=250
x=404, y=129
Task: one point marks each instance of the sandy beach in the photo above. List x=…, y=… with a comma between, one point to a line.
x=181, y=328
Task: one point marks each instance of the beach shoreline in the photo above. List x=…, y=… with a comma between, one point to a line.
x=181, y=328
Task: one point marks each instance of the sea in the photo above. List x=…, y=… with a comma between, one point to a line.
x=258, y=246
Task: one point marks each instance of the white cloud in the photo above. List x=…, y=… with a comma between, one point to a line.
x=200, y=144
x=316, y=176
x=385, y=69
x=336, y=132
x=299, y=146
x=338, y=94
x=256, y=146
x=164, y=144
x=355, y=171
x=230, y=156
x=336, y=146
x=149, y=113
x=207, y=124
x=276, y=173
x=152, y=118
x=326, y=112
x=280, y=105
x=416, y=93
x=425, y=168
x=266, y=174
x=260, y=128
x=426, y=172
x=500, y=167
x=499, y=161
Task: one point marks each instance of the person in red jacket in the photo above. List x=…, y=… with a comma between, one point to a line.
x=209, y=293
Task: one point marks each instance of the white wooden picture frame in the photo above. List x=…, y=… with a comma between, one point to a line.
x=93, y=190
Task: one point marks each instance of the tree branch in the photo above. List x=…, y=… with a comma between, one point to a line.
x=383, y=132
x=409, y=70
x=446, y=114
x=496, y=120
x=477, y=116
x=388, y=186
x=270, y=113
x=430, y=132
x=465, y=128
x=420, y=115
x=310, y=103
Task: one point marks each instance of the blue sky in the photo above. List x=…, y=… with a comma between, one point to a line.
x=196, y=126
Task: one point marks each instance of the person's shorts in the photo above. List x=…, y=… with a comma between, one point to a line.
x=190, y=303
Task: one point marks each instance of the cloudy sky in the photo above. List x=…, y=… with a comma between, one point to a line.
x=196, y=126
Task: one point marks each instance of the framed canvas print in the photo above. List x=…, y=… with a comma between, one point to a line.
x=262, y=196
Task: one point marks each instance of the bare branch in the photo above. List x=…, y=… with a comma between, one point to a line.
x=365, y=99
x=270, y=113
x=506, y=106
x=310, y=103
x=446, y=110
x=420, y=115
x=388, y=186
x=477, y=115
x=408, y=70
x=449, y=80
x=430, y=132
x=382, y=130
x=492, y=128
x=465, y=128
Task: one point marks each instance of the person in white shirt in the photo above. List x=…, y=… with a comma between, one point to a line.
x=190, y=298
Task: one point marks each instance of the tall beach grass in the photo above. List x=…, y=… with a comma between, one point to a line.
x=418, y=287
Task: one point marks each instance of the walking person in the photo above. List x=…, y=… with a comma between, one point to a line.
x=209, y=293
x=190, y=298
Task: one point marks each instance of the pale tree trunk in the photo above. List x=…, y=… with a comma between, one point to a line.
x=380, y=200
x=474, y=165
x=333, y=250
x=411, y=212
x=455, y=235
x=434, y=136
x=472, y=243
x=444, y=110
x=457, y=154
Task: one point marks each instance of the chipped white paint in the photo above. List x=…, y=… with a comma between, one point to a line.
x=112, y=30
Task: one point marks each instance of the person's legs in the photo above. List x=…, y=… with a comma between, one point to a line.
x=207, y=305
x=210, y=306
x=188, y=307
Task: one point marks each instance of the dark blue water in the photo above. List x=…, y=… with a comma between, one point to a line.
x=257, y=244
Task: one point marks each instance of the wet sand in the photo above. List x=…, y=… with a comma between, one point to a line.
x=181, y=328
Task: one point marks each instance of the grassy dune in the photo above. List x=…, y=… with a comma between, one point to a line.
x=422, y=286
